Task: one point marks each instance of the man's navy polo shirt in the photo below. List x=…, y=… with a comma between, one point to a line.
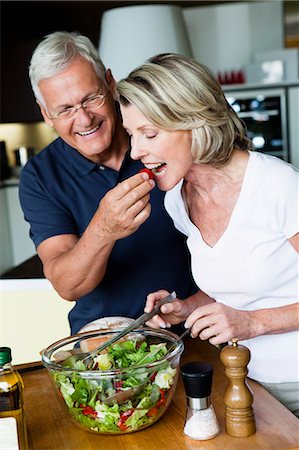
x=60, y=191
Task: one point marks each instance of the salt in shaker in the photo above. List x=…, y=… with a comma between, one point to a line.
x=201, y=422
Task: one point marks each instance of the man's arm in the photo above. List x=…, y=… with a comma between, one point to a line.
x=76, y=266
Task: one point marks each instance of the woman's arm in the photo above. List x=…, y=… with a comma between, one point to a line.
x=219, y=323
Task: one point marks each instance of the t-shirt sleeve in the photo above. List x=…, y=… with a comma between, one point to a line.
x=287, y=206
x=44, y=214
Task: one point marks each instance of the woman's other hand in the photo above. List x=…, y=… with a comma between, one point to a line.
x=219, y=323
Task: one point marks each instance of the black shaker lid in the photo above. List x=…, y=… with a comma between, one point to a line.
x=197, y=378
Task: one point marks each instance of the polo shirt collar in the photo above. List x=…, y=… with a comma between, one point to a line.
x=79, y=163
x=84, y=166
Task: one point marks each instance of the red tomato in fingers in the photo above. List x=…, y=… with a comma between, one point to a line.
x=148, y=171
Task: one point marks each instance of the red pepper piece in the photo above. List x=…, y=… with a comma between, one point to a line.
x=118, y=384
x=126, y=414
x=89, y=411
x=152, y=412
x=121, y=425
x=148, y=171
x=162, y=399
x=153, y=376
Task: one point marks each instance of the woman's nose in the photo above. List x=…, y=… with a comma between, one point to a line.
x=137, y=151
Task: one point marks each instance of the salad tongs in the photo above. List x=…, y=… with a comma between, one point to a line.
x=88, y=358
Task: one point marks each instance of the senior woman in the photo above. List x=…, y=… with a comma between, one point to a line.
x=238, y=209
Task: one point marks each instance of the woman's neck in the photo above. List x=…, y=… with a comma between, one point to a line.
x=206, y=179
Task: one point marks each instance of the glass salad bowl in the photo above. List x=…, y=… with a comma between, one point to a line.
x=129, y=385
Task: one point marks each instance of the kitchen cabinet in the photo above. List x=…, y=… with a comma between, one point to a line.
x=224, y=37
x=16, y=245
x=21, y=33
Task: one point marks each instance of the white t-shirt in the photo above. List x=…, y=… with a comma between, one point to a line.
x=253, y=265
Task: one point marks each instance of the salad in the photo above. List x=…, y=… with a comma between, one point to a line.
x=123, y=393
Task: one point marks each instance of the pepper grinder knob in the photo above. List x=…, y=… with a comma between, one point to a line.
x=239, y=417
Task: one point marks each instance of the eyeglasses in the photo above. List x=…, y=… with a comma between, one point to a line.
x=91, y=104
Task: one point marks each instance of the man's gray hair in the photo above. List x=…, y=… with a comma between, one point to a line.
x=55, y=52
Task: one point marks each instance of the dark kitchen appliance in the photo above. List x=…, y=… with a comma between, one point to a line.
x=264, y=113
x=5, y=170
x=22, y=155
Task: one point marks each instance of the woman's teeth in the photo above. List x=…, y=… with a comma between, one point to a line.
x=86, y=133
x=158, y=169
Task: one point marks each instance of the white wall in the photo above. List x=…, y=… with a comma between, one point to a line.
x=33, y=316
x=224, y=37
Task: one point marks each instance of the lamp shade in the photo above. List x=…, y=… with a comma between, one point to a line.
x=130, y=35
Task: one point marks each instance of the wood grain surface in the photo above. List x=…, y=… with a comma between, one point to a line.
x=50, y=427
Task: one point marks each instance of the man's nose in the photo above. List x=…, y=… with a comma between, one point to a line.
x=83, y=116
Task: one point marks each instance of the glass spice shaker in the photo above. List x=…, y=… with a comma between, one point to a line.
x=201, y=422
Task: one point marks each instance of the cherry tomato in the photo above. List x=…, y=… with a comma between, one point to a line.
x=149, y=172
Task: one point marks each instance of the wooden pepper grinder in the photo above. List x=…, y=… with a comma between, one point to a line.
x=239, y=417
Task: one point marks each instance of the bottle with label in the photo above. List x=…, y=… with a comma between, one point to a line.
x=13, y=430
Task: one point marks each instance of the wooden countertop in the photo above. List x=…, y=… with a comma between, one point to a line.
x=49, y=426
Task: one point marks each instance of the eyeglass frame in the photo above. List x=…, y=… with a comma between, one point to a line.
x=83, y=105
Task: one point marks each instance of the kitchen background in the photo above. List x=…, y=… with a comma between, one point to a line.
x=252, y=46
x=235, y=39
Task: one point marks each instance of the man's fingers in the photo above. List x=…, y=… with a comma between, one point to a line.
x=133, y=188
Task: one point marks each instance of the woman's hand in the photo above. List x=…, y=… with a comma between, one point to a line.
x=171, y=313
x=219, y=323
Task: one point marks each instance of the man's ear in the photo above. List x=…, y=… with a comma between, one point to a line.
x=48, y=121
x=111, y=83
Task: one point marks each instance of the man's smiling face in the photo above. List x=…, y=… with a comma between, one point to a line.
x=89, y=132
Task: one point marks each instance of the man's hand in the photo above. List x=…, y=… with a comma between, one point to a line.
x=124, y=208
x=76, y=266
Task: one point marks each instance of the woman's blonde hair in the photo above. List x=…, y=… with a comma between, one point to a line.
x=178, y=93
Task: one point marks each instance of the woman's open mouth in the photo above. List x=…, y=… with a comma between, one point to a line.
x=157, y=169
